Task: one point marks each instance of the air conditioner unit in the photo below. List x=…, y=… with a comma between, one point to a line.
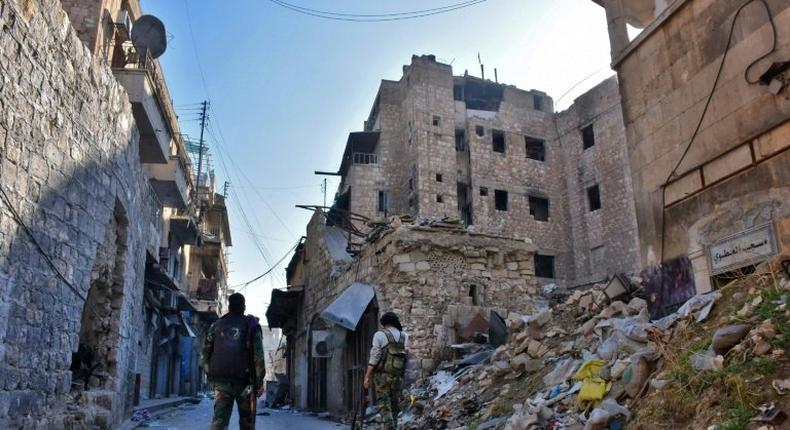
x=321, y=343
x=123, y=24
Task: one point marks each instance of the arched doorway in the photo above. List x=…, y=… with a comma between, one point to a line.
x=94, y=364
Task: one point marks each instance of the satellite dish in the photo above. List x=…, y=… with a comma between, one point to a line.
x=148, y=36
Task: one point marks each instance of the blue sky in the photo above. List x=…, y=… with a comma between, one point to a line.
x=286, y=89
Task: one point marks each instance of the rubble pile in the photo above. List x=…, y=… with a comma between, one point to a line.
x=594, y=361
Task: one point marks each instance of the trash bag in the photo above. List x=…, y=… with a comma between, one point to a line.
x=608, y=349
x=593, y=389
x=589, y=369
x=707, y=360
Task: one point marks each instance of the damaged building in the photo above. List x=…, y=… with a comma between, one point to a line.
x=99, y=213
x=458, y=201
x=704, y=89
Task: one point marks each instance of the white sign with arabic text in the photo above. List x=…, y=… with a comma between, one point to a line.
x=742, y=249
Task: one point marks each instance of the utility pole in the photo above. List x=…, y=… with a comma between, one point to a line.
x=225, y=189
x=203, y=119
x=323, y=188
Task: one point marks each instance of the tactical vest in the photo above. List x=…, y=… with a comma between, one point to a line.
x=230, y=360
x=393, y=362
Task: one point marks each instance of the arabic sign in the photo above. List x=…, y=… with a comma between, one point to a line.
x=742, y=249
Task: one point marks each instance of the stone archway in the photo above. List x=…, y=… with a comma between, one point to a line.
x=95, y=378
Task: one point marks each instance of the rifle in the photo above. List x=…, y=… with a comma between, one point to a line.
x=252, y=324
x=363, y=406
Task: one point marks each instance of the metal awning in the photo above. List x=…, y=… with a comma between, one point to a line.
x=283, y=308
x=347, y=309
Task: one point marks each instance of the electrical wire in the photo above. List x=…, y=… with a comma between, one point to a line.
x=245, y=284
x=398, y=16
x=36, y=244
x=708, y=100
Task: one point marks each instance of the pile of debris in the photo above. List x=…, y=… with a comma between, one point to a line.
x=595, y=360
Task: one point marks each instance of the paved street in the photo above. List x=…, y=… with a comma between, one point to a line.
x=188, y=417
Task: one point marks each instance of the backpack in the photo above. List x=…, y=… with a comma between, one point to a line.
x=393, y=362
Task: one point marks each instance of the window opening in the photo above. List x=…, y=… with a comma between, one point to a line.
x=483, y=191
x=439, y=177
x=439, y=198
x=539, y=208
x=594, y=198
x=588, y=136
x=474, y=293
x=544, y=266
x=460, y=140
x=436, y=120
x=480, y=131
x=458, y=92
x=500, y=200
x=536, y=148
x=365, y=158
x=498, y=138
x=537, y=102
x=383, y=202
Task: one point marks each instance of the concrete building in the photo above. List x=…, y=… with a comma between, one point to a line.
x=460, y=197
x=705, y=105
x=96, y=221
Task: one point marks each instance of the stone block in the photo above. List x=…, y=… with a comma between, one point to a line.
x=401, y=258
x=407, y=267
x=423, y=266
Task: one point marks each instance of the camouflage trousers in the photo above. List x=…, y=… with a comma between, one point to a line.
x=388, y=391
x=224, y=397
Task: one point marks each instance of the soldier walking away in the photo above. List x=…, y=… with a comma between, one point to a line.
x=387, y=365
x=232, y=358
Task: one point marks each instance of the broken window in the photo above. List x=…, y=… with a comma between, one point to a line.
x=594, y=198
x=460, y=140
x=500, y=200
x=480, y=131
x=436, y=120
x=588, y=136
x=498, y=138
x=439, y=177
x=537, y=102
x=474, y=293
x=536, y=148
x=544, y=266
x=383, y=203
x=458, y=92
x=539, y=208
x=439, y=198
x=483, y=191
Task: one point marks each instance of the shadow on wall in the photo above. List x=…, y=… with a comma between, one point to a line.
x=61, y=346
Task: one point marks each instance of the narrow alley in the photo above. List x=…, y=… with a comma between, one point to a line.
x=190, y=416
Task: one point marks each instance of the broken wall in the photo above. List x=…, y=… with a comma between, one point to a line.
x=69, y=164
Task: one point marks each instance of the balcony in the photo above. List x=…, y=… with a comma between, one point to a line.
x=147, y=110
x=169, y=181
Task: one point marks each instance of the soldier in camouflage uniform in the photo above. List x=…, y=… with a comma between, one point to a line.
x=387, y=380
x=225, y=359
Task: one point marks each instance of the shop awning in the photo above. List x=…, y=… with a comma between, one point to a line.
x=347, y=309
x=283, y=308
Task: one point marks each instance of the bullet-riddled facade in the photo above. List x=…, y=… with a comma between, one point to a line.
x=501, y=160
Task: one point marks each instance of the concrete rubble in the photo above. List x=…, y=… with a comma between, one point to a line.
x=581, y=364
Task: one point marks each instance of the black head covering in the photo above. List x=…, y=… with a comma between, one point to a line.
x=391, y=319
x=236, y=303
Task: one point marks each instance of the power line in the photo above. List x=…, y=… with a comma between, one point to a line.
x=399, y=16
x=245, y=284
x=36, y=244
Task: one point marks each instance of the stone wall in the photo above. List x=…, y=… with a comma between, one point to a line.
x=734, y=175
x=604, y=241
x=69, y=164
x=425, y=275
x=418, y=118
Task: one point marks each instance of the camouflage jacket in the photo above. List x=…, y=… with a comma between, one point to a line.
x=208, y=347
